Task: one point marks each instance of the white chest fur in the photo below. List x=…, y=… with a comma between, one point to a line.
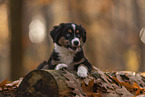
x=66, y=56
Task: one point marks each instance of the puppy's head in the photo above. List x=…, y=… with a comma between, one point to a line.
x=69, y=35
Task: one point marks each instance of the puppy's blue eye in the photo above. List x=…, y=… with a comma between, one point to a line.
x=68, y=35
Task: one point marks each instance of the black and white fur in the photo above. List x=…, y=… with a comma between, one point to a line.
x=68, y=40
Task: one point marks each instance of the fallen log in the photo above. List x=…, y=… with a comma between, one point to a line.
x=44, y=83
x=63, y=83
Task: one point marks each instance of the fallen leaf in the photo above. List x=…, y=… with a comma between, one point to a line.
x=124, y=92
x=103, y=76
x=4, y=82
x=128, y=86
x=89, y=88
x=135, y=85
x=112, y=94
x=97, y=95
x=137, y=92
x=117, y=81
x=73, y=83
x=87, y=80
x=139, y=89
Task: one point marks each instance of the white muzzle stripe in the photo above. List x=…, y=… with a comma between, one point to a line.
x=75, y=39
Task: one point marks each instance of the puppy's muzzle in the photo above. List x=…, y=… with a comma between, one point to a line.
x=75, y=42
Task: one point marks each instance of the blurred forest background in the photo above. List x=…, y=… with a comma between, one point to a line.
x=112, y=26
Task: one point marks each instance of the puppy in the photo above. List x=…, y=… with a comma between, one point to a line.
x=68, y=53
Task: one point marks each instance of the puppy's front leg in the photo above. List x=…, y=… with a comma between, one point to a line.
x=82, y=71
x=60, y=66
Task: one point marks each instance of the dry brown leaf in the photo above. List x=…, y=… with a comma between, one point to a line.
x=88, y=90
x=103, y=76
x=4, y=82
x=139, y=89
x=133, y=88
x=91, y=83
x=117, y=81
x=62, y=93
x=93, y=94
x=73, y=83
x=124, y=92
x=97, y=95
x=135, y=85
x=112, y=94
x=137, y=92
x=15, y=83
x=10, y=88
x=87, y=80
x=128, y=86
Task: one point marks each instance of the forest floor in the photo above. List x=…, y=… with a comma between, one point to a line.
x=98, y=84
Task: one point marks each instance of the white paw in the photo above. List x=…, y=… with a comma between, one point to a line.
x=60, y=66
x=82, y=71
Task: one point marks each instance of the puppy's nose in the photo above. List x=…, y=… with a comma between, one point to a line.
x=76, y=43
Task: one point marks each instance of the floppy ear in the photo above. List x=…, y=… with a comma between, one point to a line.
x=83, y=34
x=56, y=31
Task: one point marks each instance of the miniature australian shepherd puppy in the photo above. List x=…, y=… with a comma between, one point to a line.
x=68, y=53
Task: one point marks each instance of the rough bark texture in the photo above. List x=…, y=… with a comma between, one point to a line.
x=63, y=83
x=44, y=83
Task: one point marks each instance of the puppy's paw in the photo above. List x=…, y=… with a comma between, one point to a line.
x=82, y=71
x=60, y=66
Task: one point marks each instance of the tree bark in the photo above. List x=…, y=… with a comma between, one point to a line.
x=44, y=83
x=63, y=83
x=16, y=47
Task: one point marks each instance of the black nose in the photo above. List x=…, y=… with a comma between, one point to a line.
x=76, y=43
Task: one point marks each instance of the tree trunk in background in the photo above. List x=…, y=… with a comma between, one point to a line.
x=16, y=45
x=48, y=16
x=138, y=23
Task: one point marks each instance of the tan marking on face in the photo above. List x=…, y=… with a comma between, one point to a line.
x=70, y=31
x=77, y=31
x=62, y=41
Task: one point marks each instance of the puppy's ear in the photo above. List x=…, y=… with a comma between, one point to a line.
x=83, y=34
x=56, y=31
